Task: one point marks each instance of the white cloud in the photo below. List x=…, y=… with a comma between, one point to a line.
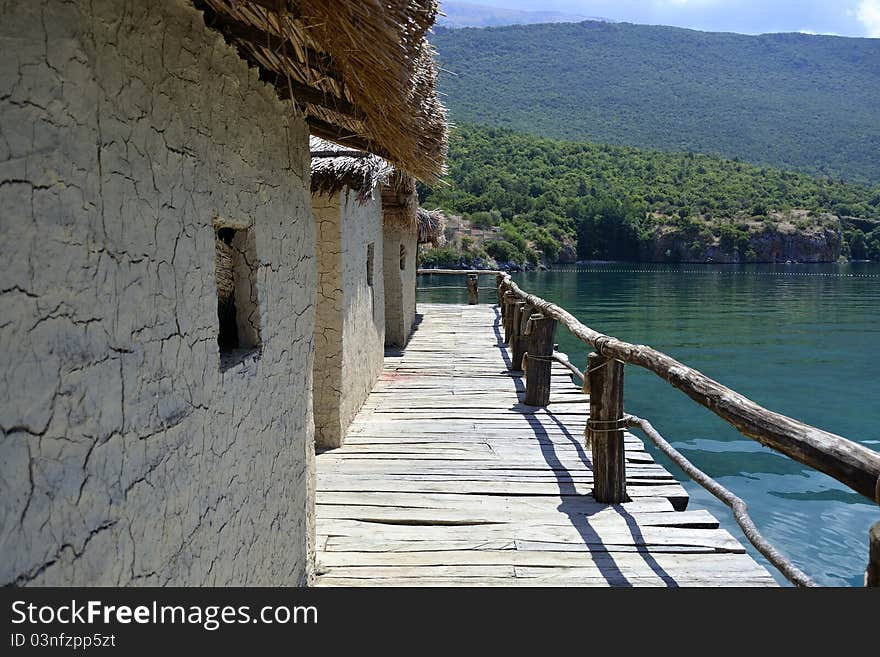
x=868, y=14
x=817, y=33
x=682, y=3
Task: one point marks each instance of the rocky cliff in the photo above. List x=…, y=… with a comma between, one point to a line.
x=754, y=241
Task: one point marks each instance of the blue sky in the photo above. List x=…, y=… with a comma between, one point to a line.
x=860, y=18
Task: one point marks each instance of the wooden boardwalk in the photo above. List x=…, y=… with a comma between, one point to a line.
x=447, y=479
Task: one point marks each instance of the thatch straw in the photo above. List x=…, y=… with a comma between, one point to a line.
x=400, y=201
x=432, y=225
x=334, y=168
x=224, y=271
x=362, y=70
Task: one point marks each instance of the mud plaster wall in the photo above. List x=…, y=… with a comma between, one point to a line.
x=126, y=457
x=350, y=319
x=328, y=321
x=400, y=286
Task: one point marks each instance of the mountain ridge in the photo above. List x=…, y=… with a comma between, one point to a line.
x=808, y=103
x=459, y=15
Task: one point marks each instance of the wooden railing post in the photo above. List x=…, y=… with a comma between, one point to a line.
x=507, y=312
x=519, y=340
x=604, y=429
x=540, y=364
x=473, y=289
x=872, y=576
x=499, y=288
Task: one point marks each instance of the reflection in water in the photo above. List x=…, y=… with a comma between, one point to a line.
x=798, y=339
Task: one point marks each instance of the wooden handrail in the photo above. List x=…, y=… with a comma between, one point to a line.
x=849, y=462
x=461, y=272
x=739, y=508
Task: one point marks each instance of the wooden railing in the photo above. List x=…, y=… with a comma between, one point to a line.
x=529, y=324
x=472, y=286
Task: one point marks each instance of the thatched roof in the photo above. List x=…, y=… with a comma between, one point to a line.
x=432, y=224
x=334, y=168
x=362, y=70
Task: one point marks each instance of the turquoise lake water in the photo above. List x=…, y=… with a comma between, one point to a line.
x=802, y=340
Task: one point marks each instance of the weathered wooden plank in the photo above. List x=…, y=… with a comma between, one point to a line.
x=362, y=544
x=415, y=571
x=422, y=471
x=672, y=491
x=634, y=562
x=415, y=516
x=548, y=510
x=364, y=579
x=556, y=539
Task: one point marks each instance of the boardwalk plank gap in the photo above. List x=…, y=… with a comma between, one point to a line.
x=447, y=478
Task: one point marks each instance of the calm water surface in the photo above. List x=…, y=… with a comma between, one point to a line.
x=799, y=339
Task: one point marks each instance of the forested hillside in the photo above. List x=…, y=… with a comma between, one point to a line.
x=618, y=202
x=808, y=103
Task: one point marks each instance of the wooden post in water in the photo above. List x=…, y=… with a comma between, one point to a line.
x=606, y=411
x=540, y=365
x=473, y=289
x=517, y=339
x=872, y=576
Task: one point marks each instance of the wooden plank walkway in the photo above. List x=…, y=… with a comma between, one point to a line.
x=445, y=478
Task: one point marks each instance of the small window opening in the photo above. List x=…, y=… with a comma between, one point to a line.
x=402, y=257
x=238, y=335
x=370, y=253
x=227, y=338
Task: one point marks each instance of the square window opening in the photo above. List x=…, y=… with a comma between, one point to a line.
x=371, y=249
x=402, y=257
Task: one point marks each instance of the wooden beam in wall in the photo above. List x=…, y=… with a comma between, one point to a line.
x=339, y=135
x=235, y=29
x=304, y=93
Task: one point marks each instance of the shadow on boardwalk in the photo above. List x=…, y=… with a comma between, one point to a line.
x=568, y=495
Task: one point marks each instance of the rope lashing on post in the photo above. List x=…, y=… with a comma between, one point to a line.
x=599, y=367
x=596, y=426
x=739, y=508
x=599, y=426
x=600, y=342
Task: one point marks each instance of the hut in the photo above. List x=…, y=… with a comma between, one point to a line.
x=350, y=311
x=365, y=216
x=160, y=272
x=399, y=204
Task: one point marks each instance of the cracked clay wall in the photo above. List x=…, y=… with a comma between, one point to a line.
x=126, y=456
x=400, y=285
x=350, y=316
